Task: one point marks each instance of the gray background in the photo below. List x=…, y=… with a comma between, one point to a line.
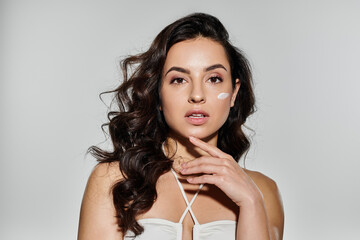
x=57, y=56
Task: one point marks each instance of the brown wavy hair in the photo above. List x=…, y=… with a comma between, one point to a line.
x=137, y=127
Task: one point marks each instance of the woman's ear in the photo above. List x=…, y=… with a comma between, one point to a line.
x=235, y=91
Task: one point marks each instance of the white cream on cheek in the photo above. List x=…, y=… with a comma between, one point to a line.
x=223, y=95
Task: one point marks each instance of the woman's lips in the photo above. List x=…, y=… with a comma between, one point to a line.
x=196, y=117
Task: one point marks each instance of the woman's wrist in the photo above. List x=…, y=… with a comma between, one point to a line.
x=254, y=201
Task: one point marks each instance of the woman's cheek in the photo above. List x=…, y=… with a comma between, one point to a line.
x=223, y=99
x=223, y=95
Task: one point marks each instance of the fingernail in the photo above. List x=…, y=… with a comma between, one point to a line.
x=183, y=165
x=189, y=179
x=191, y=138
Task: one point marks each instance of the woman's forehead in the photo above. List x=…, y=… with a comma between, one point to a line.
x=196, y=53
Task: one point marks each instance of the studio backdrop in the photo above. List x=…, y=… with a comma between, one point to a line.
x=56, y=57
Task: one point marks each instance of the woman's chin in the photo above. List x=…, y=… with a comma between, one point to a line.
x=183, y=137
x=203, y=136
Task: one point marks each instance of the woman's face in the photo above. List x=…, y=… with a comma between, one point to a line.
x=196, y=90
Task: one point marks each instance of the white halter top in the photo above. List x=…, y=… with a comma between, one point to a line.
x=162, y=229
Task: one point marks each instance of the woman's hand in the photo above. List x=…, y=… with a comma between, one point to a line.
x=220, y=169
x=223, y=171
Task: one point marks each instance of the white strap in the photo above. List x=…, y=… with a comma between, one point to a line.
x=188, y=208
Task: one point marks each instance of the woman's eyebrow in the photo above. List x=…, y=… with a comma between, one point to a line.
x=212, y=67
x=178, y=69
x=183, y=70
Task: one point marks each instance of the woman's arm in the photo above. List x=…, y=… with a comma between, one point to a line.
x=97, y=215
x=270, y=206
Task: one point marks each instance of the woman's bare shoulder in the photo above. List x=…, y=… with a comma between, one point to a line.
x=262, y=181
x=102, y=178
x=273, y=202
x=97, y=215
x=106, y=173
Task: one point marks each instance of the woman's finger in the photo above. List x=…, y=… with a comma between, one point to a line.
x=204, y=168
x=208, y=179
x=205, y=160
x=210, y=149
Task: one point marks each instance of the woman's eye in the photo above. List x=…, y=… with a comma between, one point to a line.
x=177, y=81
x=215, y=79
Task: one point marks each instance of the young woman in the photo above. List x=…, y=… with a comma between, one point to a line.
x=177, y=137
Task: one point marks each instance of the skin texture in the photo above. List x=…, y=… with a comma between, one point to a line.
x=230, y=192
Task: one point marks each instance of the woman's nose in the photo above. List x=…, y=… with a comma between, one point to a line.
x=197, y=94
